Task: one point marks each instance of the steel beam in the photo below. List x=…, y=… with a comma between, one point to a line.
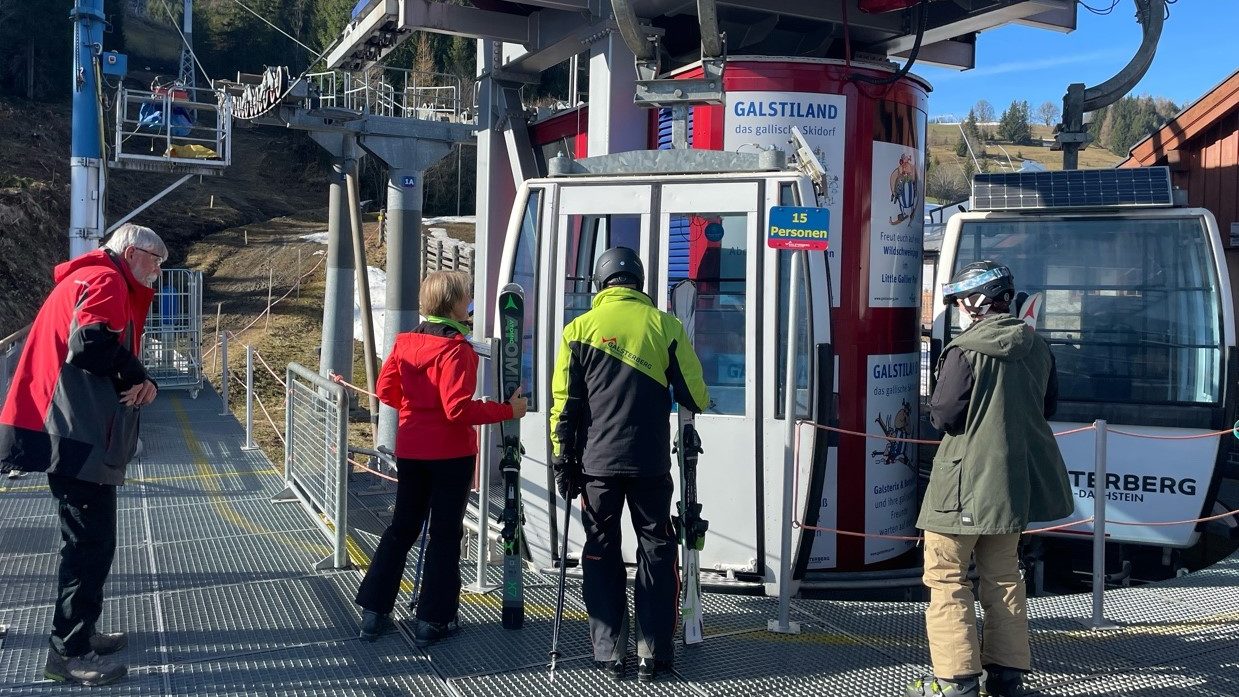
x=958, y=53
x=460, y=20
x=947, y=21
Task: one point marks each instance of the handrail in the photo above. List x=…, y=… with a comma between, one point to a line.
x=15, y=338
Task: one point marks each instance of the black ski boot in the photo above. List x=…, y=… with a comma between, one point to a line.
x=373, y=624
x=615, y=669
x=648, y=669
x=1001, y=681
x=938, y=687
x=426, y=633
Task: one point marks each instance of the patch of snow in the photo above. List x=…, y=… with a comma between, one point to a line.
x=459, y=219
x=318, y=237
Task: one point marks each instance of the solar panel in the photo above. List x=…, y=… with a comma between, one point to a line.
x=1144, y=187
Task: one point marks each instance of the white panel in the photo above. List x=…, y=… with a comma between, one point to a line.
x=604, y=200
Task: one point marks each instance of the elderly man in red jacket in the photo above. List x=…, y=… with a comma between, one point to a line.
x=72, y=412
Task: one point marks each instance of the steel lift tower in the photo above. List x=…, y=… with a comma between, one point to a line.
x=86, y=166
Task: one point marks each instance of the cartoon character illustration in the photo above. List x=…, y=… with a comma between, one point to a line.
x=905, y=189
x=897, y=426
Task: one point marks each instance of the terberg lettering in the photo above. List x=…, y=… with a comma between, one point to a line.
x=796, y=110
x=1148, y=484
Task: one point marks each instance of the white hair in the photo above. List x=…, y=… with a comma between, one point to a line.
x=130, y=235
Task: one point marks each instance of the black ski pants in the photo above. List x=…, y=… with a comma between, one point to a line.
x=657, y=587
x=88, y=534
x=435, y=488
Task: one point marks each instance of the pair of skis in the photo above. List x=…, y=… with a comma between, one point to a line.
x=690, y=527
x=511, y=313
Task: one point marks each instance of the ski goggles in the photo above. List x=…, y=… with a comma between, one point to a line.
x=951, y=290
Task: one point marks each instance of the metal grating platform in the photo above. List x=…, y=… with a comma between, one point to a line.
x=215, y=585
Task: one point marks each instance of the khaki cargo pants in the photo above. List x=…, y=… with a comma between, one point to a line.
x=951, y=619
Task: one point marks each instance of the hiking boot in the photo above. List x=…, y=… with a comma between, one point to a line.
x=1001, y=681
x=615, y=669
x=649, y=668
x=938, y=687
x=373, y=624
x=426, y=633
x=106, y=644
x=89, y=669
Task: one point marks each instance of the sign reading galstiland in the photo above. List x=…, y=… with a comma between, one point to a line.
x=798, y=228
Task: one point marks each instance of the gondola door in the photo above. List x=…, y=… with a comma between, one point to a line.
x=711, y=236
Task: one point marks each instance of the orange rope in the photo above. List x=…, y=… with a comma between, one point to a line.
x=335, y=377
x=374, y=472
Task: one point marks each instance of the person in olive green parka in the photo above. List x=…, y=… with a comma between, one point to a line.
x=998, y=469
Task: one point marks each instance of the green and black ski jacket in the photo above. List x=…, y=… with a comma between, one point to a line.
x=610, y=388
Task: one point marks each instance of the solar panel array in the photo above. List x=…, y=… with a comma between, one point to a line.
x=1144, y=187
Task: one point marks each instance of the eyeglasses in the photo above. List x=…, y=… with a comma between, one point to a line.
x=158, y=259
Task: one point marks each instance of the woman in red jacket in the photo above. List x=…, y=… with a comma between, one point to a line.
x=429, y=378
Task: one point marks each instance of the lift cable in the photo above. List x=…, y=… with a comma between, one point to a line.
x=923, y=17
x=1100, y=11
x=268, y=22
x=176, y=25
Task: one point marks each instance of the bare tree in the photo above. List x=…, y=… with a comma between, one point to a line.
x=1048, y=113
x=984, y=111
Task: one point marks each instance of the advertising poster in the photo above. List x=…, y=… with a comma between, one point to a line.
x=765, y=119
x=824, y=554
x=896, y=226
x=890, y=472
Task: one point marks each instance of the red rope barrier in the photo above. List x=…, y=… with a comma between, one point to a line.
x=376, y=473
x=335, y=377
x=1211, y=434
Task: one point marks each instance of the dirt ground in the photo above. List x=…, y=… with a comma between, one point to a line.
x=274, y=173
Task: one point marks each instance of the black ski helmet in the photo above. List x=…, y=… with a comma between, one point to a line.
x=619, y=265
x=987, y=278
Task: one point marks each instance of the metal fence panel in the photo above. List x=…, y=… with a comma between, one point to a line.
x=10, y=351
x=316, y=456
x=172, y=342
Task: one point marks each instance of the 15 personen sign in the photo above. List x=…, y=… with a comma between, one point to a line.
x=798, y=228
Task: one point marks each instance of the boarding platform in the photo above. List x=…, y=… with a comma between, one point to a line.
x=216, y=586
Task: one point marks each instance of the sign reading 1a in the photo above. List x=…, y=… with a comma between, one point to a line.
x=798, y=228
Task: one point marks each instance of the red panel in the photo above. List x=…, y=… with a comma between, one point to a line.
x=569, y=123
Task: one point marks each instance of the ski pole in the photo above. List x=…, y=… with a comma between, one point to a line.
x=563, y=577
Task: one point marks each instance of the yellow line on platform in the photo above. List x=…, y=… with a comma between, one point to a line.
x=220, y=504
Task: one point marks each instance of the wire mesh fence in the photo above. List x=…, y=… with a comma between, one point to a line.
x=172, y=340
x=316, y=455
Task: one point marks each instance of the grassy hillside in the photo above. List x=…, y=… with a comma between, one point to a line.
x=943, y=137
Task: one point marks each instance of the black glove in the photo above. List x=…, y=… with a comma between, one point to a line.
x=569, y=478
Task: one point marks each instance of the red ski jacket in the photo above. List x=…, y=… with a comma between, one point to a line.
x=63, y=413
x=430, y=377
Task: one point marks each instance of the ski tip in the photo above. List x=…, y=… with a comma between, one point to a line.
x=513, y=617
x=512, y=288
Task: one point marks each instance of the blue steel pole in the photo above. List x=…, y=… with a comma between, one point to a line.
x=86, y=224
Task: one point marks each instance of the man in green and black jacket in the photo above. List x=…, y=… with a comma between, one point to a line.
x=998, y=469
x=611, y=438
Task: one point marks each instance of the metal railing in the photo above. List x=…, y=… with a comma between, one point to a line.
x=10, y=350
x=384, y=91
x=316, y=456
x=164, y=125
x=172, y=340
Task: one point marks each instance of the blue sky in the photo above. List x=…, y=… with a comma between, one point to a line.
x=1198, y=49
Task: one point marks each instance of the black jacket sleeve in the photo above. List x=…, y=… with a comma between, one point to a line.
x=1051, y=389
x=97, y=350
x=948, y=407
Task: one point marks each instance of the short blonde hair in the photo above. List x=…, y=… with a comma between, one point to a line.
x=443, y=290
